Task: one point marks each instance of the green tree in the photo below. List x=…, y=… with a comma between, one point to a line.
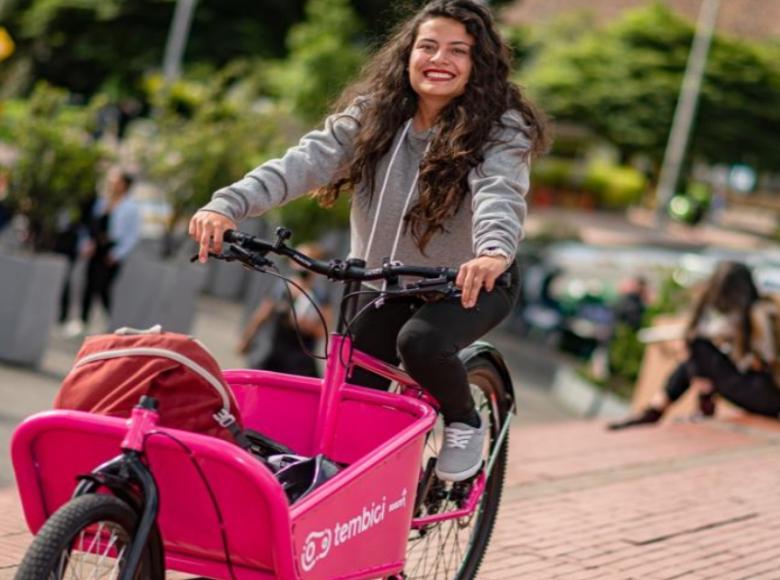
x=91, y=45
x=324, y=55
x=623, y=83
x=204, y=139
x=57, y=164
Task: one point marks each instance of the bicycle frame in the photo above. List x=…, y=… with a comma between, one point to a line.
x=380, y=437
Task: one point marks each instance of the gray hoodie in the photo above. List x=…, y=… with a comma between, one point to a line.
x=489, y=221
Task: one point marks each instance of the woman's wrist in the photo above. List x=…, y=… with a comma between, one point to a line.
x=496, y=253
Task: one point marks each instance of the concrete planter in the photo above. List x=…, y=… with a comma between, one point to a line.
x=150, y=291
x=30, y=288
x=585, y=399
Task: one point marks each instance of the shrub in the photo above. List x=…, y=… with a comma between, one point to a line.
x=617, y=186
x=555, y=172
x=57, y=164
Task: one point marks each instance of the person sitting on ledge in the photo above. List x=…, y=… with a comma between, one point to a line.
x=730, y=342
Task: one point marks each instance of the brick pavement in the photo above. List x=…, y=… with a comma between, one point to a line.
x=687, y=500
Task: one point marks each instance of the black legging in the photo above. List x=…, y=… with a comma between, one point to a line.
x=427, y=337
x=755, y=392
x=100, y=279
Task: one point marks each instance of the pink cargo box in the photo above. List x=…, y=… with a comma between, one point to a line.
x=353, y=526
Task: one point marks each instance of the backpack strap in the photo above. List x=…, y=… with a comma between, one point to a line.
x=226, y=419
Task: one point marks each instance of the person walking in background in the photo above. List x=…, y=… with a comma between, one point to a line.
x=731, y=342
x=292, y=340
x=114, y=231
x=632, y=302
x=433, y=144
x=67, y=243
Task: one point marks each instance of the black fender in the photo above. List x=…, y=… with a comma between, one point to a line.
x=484, y=349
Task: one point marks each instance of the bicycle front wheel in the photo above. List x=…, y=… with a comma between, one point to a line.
x=453, y=549
x=87, y=538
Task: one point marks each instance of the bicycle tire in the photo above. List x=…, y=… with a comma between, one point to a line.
x=485, y=376
x=50, y=555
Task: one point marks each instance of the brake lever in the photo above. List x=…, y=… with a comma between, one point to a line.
x=195, y=257
x=237, y=253
x=433, y=288
x=251, y=259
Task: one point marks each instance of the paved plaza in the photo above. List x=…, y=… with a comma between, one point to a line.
x=687, y=500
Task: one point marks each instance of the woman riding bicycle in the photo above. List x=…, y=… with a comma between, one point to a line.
x=433, y=143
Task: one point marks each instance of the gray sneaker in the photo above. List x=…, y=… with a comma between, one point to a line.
x=461, y=454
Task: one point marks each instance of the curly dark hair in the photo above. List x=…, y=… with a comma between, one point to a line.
x=464, y=128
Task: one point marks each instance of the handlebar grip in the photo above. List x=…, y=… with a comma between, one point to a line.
x=246, y=241
x=233, y=236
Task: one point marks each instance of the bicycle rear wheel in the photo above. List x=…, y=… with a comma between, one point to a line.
x=87, y=538
x=453, y=549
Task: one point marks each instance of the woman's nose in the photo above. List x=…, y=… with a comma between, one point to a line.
x=439, y=56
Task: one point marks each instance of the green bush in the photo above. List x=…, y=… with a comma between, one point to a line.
x=625, y=349
x=617, y=186
x=57, y=165
x=555, y=172
x=191, y=158
x=324, y=56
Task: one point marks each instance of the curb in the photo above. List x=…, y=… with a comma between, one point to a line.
x=584, y=398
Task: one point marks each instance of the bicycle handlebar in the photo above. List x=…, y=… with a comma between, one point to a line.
x=340, y=269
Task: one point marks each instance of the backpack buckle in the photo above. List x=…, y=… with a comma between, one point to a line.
x=225, y=418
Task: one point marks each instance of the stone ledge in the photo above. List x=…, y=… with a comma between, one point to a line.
x=584, y=398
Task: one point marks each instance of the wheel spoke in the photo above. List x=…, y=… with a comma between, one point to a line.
x=61, y=568
x=109, y=545
x=449, y=549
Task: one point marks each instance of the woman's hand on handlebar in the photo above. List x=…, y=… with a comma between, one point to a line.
x=208, y=228
x=475, y=274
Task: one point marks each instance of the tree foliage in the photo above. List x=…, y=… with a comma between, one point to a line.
x=57, y=163
x=323, y=56
x=623, y=82
x=97, y=45
x=91, y=45
x=214, y=140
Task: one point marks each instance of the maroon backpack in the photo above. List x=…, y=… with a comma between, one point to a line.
x=113, y=371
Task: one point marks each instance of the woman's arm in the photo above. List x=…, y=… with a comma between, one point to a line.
x=762, y=335
x=308, y=166
x=260, y=315
x=498, y=185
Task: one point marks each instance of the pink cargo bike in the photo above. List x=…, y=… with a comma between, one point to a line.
x=347, y=490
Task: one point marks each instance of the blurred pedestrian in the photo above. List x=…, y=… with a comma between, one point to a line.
x=73, y=231
x=731, y=342
x=5, y=211
x=114, y=230
x=296, y=330
x=632, y=302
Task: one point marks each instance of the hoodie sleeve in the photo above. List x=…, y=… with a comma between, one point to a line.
x=499, y=185
x=309, y=165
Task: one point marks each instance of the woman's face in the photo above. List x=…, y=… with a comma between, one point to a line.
x=440, y=63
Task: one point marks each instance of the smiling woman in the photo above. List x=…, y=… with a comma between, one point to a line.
x=434, y=144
